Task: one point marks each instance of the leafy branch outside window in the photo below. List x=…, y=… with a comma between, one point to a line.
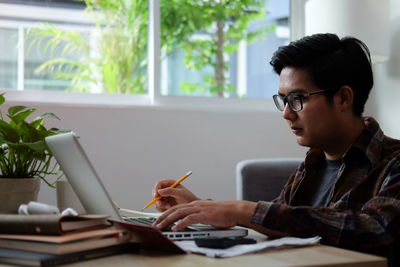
x=116, y=64
x=225, y=22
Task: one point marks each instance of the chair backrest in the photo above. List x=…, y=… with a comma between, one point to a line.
x=263, y=179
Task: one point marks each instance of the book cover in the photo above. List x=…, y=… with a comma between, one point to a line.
x=67, y=243
x=28, y=258
x=48, y=224
x=149, y=237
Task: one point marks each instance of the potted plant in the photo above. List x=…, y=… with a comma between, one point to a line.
x=25, y=159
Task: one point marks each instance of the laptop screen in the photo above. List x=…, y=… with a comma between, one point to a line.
x=81, y=175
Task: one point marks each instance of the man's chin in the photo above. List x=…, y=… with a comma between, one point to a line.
x=301, y=141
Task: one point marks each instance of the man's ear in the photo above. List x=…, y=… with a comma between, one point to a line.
x=345, y=97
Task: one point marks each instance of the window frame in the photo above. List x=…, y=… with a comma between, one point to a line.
x=154, y=96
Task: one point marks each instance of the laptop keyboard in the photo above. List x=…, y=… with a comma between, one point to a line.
x=148, y=221
x=145, y=221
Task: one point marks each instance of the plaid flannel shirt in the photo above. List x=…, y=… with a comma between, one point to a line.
x=363, y=213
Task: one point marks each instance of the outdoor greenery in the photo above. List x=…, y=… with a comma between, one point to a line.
x=222, y=23
x=23, y=151
x=117, y=62
x=120, y=59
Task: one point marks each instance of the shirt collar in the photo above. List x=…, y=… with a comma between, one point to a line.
x=369, y=143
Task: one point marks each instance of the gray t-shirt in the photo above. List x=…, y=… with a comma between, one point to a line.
x=323, y=189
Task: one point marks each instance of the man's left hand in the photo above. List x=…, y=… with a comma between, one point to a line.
x=223, y=214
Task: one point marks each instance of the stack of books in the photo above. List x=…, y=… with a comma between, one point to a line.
x=48, y=239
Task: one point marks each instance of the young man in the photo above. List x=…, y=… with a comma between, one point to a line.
x=347, y=190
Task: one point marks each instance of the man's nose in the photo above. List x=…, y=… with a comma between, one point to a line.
x=288, y=113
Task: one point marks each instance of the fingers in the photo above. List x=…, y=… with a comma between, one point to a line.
x=219, y=214
x=166, y=192
x=162, y=184
x=180, y=193
x=186, y=213
x=187, y=221
x=159, y=223
x=164, y=203
x=171, y=196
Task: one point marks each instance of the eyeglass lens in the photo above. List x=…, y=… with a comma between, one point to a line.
x=294, y=102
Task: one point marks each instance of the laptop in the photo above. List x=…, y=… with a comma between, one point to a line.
x=95, y=199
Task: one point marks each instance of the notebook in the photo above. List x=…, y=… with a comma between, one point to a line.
x=95, y=199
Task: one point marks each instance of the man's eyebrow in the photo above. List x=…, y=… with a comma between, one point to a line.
x=295, y=91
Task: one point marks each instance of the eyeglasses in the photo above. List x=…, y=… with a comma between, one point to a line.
x=294, y=100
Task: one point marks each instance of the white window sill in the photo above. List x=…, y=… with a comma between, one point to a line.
x=51, y=98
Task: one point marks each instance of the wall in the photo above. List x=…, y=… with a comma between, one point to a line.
x=132, y=148
x=387, y=79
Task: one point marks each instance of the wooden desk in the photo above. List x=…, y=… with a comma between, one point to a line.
x=318, y=255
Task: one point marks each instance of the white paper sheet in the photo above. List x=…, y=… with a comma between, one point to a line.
x=190, y=246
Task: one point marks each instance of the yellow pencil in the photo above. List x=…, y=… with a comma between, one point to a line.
x=172, y=186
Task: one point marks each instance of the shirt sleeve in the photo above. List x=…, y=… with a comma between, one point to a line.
x=260, y=212
x=375, y=225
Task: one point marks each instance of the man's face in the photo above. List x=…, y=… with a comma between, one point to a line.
x=316, y=125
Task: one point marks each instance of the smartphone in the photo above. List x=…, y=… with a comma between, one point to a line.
x=222, y=242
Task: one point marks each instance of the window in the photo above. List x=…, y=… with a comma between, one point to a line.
x=34, y=57
x=248, y=76
x=261, y=81
x=249, y=73
x=9, y=58
x=24, y=59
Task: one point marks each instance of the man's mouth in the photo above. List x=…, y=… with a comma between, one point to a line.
x=296, y=130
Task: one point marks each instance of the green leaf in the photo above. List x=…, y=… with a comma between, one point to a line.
x=54, y=131
x=15, y=109
x=2, y=99
x=38, y=146
x=19, y=113
x=230, y=89
x=209, y=79
x=25, y=131
x=36, y=122
x=230, y=48
x=8, y=133
x=48, y=115
x=188, y=87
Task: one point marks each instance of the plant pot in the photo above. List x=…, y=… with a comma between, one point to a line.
x=17, y=191
x=66, y=197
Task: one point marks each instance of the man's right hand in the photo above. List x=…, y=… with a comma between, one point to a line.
x=171, y=196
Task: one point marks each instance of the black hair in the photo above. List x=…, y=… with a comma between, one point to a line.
x=331, y=63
